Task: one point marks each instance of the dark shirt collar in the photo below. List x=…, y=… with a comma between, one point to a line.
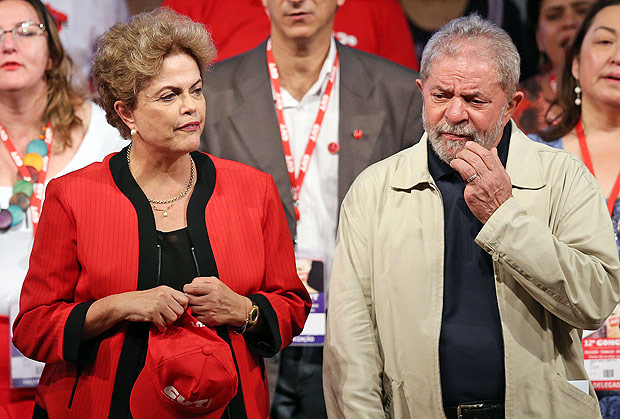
x=438, y=168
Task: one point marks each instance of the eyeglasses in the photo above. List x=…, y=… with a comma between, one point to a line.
x=24, y=31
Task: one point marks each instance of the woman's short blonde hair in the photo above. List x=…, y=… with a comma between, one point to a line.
x=129, y=55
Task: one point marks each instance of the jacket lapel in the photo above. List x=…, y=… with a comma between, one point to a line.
x=355, y=114
x=520, y=151
x=255, y=121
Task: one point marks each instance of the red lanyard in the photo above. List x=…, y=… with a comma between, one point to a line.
x=297, y=181
x=37, y=196
x=615, y=191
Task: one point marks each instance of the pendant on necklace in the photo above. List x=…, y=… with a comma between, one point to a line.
x=165, y=213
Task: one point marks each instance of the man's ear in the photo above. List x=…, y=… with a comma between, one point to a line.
x=512, y=106
x=122, y=110
x=419, y=83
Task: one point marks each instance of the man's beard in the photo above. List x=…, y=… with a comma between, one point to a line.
x=448, y=149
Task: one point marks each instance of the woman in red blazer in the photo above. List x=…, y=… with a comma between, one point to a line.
x=159, y=227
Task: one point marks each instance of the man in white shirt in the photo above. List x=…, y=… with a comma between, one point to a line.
x=313, y=114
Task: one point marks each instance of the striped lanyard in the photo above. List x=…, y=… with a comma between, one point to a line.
x=297, y=181
x=587, y=160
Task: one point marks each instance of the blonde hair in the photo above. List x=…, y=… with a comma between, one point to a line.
x=62, y=97
x=130, y=55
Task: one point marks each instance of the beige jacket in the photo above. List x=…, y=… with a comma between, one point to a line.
x=556, y=271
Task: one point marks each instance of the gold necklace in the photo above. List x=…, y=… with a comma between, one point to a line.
x=171, y=201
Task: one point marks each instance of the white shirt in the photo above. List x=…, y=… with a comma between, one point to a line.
x=318, y=199
x=87, y=20
x=100, y=140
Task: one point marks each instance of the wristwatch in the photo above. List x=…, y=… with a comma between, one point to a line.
x=252, y=317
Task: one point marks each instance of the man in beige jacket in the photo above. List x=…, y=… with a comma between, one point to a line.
x=468, y=264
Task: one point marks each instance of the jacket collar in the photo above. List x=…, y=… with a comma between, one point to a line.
x=148, y=268
x=412, y=170
x=357, y=80
x=522, y=154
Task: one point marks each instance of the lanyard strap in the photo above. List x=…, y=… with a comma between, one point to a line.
x=37, y=196
x=585, y=153
x=297, y=181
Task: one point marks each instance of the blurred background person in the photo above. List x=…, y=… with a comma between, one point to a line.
x=236, y=26
x=553, y=24
x=129, y=244
x=47, y=129
x=589, y=125
x=425, y=17
x=83, y=22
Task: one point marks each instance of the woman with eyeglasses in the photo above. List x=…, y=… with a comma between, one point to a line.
x=47, y=129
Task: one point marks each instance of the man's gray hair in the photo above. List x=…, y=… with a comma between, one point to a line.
x=491, y=42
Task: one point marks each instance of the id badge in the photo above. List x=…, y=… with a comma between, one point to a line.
x=601, y=352
x=25, y=372
x=311, y=272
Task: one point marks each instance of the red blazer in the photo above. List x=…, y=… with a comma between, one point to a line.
x=97, y=237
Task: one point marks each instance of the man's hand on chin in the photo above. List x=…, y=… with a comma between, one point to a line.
x=487, y=183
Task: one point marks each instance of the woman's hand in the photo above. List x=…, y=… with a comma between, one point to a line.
x=214, y=304
x=161, y=306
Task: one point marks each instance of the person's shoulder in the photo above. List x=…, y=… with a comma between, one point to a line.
x=235, y=169
x=555, y=143
x=238, y=75
x=197, y=11
x=94, y=172
x=94, y=169
x=99, y=123
x=389, y=171
x=222, y=70
x=101, y=138
x=379, y=67
x=557, y=163
x=551, y=154
x=565, y=166
x=535, y=142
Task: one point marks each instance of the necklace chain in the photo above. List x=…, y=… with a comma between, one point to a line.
x=171, y=201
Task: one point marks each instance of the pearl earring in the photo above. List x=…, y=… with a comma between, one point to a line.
x=578, y=95
x=133, y=131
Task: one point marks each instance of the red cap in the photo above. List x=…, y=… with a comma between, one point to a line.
x=189, y=372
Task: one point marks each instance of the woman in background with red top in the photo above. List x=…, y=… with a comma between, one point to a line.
x=47, y=129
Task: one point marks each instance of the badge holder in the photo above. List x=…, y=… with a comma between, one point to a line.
x=311, y=271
